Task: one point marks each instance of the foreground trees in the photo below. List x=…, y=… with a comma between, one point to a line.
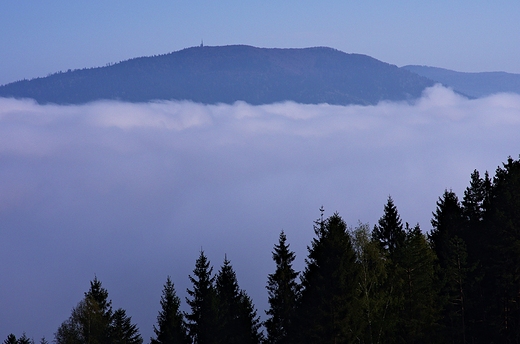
x=394, y=284
x=93, y=321
x=283, y=290
x=171, y=328
x=202, y=321
x=327, y=311
x=220, y=311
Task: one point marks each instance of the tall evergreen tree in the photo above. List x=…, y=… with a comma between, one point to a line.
x=90, y=321
x=238, y=322
x=389, y=230
x=170, y=321
x=502, y=280
x=122, y=331
x=373, y=292
x=447, y=222
x=202, y=321
x=446, y=240
x=419, y=313
x=475, y=207
x=93, y=321
x=475, y=198
x=391, y=237
x=250, y=320
x=328, y=310
x=11, y=339
x=283, y=291
x=24, y=339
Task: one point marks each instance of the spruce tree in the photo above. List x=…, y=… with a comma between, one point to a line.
x=373, y=292
x=502, y=279
x=390, y=236
x=11, y=339
x=389, y=230
x=447, y=222
x=202, y=321
x=237, y=318
x=90, y=320
x=98, y=314
x=122, y=331
x=328, y=310
x=250, y=320
x=93, y=321
x=24, y=339
x=420, y=311
x=451, y=250
x=283, y=291
x=170, y=321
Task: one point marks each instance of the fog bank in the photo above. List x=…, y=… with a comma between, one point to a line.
x=132, y=192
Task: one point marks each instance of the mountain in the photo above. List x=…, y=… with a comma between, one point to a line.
x=225, y=74
x=473, y=85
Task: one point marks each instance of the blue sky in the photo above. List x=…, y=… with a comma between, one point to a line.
x=41, y=37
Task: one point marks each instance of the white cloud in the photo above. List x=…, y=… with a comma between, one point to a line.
x=132, y=191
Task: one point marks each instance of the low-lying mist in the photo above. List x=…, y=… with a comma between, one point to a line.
x=132, y=192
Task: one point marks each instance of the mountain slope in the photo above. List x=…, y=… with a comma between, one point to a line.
x=474, y=85
x=227, y=74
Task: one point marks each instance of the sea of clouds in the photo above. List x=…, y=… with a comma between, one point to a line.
x=131, y=193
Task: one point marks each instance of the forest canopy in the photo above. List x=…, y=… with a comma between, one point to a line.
x=393, y=283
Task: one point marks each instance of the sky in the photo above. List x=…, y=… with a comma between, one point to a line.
x=39, y=38
x=131, y=193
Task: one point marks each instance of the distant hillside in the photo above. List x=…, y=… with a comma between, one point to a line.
x=226, y=74
x=474, y=85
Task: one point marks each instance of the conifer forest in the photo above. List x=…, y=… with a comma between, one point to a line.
x=458, y=282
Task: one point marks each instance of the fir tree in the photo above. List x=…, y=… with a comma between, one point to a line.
x=97, y=314
x=250, y=320
x=202, y=321
x=11, y=339
x=502, y=279
x=93, y=321
x=90, y=320
x=419, y=312
x=283, y=291
x=447, y=222
x=451, y=251
x=373, y=292
x=328, y=309
x=122, y=331
x=236, y=314
x=170, y=321
x=24, y=339
x=389, y=231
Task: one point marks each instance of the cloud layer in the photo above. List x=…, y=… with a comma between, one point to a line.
x=132, y=192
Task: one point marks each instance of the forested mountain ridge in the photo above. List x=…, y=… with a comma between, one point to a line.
x=474, y=85
x=226, y=74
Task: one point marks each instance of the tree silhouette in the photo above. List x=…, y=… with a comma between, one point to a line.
x=170, y=321
x=283, y=291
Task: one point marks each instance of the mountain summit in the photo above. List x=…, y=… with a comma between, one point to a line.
x=225, y=74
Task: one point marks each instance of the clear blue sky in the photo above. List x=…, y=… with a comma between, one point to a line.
x=41, y=37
